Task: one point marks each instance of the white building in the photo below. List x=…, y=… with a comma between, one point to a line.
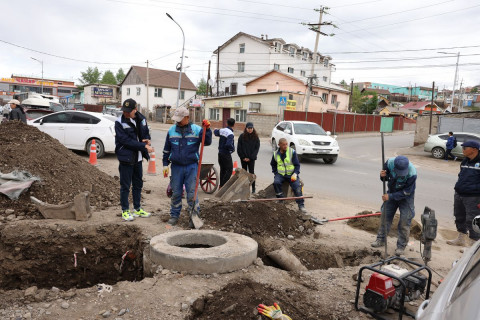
x=245, y=57
x=97, y=93
x=163, y=86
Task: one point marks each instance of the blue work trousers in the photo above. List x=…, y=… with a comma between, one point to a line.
x=295, y=185
x=183, y=175
x=130, y=174
x=407, y=212
x=464, y=210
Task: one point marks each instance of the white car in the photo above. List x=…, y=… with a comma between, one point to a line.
x=308, y=139
x=437, y=143
x=76, y=129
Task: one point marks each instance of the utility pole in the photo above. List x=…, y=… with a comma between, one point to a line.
x=148, y=94
x=431, y=108
x=208, y=76
x=218, y=69
x=350, y=104
x=460, y=97
x=316, y=28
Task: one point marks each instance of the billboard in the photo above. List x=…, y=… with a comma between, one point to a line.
x=102, y=92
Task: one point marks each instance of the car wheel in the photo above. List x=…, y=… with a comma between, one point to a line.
x=99, y=145
x=274, y=145
x=330, y=160
x=438, y=153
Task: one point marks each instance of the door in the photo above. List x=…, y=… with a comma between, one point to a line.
x=225, y=116
x=79, y=129
x=54, y=125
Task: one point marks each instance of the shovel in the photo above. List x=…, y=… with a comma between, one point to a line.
x=197, y=222
x=323, y=221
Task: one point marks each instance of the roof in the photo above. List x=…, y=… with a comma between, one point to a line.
x=418, y=105
x=378, y=91
x=238, y=35
x=396, y=110
x=101, y=84
x=162, y=78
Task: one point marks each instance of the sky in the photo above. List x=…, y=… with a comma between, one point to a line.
x=113, y=34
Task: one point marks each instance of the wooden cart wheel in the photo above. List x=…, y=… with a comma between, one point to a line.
x=210, y=183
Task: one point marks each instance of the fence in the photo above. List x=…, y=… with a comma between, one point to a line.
x=344, y=122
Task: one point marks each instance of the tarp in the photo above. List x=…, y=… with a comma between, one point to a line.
x=14, y=183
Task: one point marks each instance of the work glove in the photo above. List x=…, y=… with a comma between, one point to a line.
x=272, y=312
x=165, y=171
x=206, y=123
x=293, y=177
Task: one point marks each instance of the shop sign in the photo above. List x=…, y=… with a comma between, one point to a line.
x=291, y=105
x=102, y=92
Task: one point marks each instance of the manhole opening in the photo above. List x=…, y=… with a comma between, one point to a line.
x=67, y=257
x=196, y=240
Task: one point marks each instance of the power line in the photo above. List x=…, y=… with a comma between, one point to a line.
x=411, y=67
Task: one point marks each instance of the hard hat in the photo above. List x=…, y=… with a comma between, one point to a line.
x=476, y=224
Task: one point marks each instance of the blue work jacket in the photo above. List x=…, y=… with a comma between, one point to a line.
x=128, y=138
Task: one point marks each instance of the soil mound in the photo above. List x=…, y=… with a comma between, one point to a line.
x=64, y=174
x=371, y=224
x=257, y=219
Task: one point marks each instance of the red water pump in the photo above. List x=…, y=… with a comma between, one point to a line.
x=379, y=293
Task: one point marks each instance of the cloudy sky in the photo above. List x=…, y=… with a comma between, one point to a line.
x=376, y=40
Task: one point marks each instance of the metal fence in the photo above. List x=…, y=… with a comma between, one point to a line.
x=340, y=122
x=458, y=125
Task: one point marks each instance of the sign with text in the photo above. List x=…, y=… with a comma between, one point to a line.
x=291, y=105
x=102, y=92
x=227, y=104
x=28, y=81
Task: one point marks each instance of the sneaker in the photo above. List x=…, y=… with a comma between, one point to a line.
x=399, y=251
x=455, y=159
x=302, y=209
x=172, y=221
x=141, y=213
x=377, y=244
x=127, y=216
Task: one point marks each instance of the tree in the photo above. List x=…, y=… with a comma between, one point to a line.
x=371, y=104
x=202, y=87
x=358, y=100
x=108, y=78
x=92, y=75
x=474, y=90
x=344, y=84
x=120, y=75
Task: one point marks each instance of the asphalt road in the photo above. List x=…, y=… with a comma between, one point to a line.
x=355, y=175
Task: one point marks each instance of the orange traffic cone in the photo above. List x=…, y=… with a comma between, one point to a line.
x=152, y=169
x=235, y=166
x=93, y=153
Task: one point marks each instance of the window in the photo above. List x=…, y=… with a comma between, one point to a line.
x=325, y=97
x=62, y=117
x=227, y=90
x=290, y=70
x=128, y=91
x=317, y=59
x=64, y=91
x=81, y=118
x=325, y=79
x=241, y=66
x=325, y=63
x=305, y=56
x=281, y=126
x=289, y=128
x=241, y=115
x=139, y=90
x=182, y=94
x=334, y=98
x=158, y=93
x=234, y=88
x=276, y=66
x=290, y=97
x=254, y=107
x=261, y=90
x=214, y=114
x=302, y=73
x=292, y=52
x=242, y=47
x=278, y=47
x=315, y=93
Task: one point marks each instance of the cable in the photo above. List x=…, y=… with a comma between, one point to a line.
x=410, y=67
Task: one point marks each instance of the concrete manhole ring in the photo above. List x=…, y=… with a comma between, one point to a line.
x=203, y=251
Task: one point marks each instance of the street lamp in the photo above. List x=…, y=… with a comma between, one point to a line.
x=454, y=79
x=41, y=61
x=181, y=62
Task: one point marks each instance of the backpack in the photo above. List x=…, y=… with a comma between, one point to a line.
x=454, y=142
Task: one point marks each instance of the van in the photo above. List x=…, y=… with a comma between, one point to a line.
x=41, y=103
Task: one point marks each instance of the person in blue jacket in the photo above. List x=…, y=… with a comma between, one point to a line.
x=181, y=151
x=401, y=177
x=467, y=195
x=226, y=146
x=451, y=144
x=132, y=145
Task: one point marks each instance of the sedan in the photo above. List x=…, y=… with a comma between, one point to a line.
x=76, y=130
x=457, y=295
x=437, y=143
x=33, y=113
x=308, y=139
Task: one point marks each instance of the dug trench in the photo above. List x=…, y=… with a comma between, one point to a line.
x=46, y=255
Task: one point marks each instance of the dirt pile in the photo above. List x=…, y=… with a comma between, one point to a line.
x=64, y=174
x=371, y=224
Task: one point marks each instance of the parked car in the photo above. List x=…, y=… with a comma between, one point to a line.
x=436, y=143
x=42, y=103
x=456, y=297
x=308, y=139
x=34, y=113
x=76, y=129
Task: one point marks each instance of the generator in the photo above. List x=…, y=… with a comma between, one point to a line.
x=390, y=286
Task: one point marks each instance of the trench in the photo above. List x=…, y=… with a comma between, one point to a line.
x=69, y=256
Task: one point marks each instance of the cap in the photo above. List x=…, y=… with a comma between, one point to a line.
x=129, y=105
x=471, y=144
x=179, y=114
x=14, y=101
x=249, y=125
x=400, y=165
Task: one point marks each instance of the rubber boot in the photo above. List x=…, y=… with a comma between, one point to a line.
x=460, y=241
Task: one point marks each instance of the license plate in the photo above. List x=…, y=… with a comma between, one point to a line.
x=321, y=151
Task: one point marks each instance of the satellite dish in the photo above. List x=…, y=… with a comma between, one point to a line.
x=211, y=82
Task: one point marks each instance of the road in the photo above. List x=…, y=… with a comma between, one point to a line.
x=355, y=175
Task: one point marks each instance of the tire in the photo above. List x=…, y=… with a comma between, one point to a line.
x=330, y=160
x=274, y=145
x=438, y=153
x=100, y=148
